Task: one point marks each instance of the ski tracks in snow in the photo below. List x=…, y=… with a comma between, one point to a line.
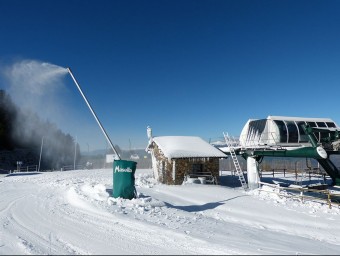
x=72, y=213
x=42, y=220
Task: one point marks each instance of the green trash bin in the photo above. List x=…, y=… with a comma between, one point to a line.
x=124, y=179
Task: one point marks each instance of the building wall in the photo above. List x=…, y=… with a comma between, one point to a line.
x=159, y=164
x=183, y=166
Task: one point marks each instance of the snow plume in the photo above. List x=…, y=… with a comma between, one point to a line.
x=37, y=86
x=37, y=89
x=34, y=84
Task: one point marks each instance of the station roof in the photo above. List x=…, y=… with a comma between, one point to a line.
x=307, y=119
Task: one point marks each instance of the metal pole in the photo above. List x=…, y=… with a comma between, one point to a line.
x=94, y=114
x=75, y=154
x=42, y=143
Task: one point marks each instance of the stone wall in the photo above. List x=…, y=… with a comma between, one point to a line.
x=184, y=166
x=161, y=163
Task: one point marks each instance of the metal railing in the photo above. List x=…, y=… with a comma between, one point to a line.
x=72, y=167
x=28, y=168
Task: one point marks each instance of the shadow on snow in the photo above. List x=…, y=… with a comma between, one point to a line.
x=203, y=207
x=22, y=174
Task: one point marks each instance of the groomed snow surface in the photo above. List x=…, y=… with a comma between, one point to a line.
x=72, y=213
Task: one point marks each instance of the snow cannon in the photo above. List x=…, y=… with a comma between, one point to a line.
x=123, y=170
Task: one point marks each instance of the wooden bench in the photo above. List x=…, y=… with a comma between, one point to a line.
x=209, y=178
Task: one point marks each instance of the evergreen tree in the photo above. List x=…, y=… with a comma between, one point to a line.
x=7, y=115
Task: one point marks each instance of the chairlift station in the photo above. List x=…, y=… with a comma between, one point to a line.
x=281, y=136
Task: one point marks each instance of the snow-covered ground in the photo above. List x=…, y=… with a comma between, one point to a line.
x=72, y=213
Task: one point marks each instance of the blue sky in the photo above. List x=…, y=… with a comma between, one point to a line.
x=183, y=67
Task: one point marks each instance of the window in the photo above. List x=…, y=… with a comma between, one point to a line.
x=282, y=130
x=321, y=124
x=329, y=124
x=303, y=135
x=293, y=135
x=197, y=168
x=316, y=134
x=323, y=135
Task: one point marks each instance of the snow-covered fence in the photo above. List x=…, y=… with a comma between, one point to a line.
x=72, y=167
x=28, y=168
x=299, y=193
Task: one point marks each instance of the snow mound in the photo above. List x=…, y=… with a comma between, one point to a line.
x=96, y=192
x=145, y=180
x=137, y=205
x=270, y=193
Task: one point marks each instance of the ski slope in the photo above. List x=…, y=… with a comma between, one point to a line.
x=72, y=213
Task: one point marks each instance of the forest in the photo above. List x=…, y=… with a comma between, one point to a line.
x=24, y=136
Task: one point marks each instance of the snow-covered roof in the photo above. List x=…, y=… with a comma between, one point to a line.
x=186, y=146
x=307, y=119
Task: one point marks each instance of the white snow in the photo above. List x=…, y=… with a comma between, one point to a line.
x=72, y=213
x=186, y=146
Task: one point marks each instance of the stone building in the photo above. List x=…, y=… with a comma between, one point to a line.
x=174, y=157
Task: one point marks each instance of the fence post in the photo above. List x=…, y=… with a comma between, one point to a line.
x=329, y=200
x=295, y=174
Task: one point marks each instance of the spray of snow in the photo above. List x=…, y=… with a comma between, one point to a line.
x=37, y=89
x=36, y=85
x=34, y=77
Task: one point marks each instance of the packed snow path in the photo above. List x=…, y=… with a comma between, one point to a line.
x=73, y=213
